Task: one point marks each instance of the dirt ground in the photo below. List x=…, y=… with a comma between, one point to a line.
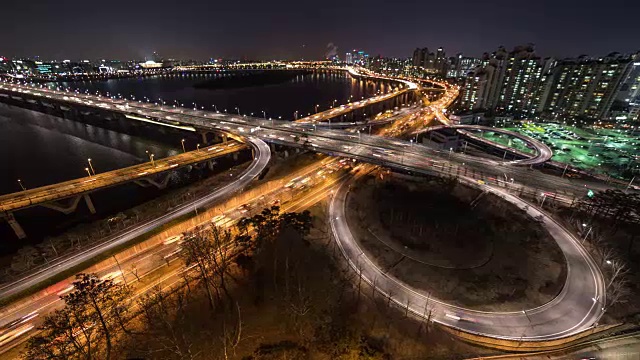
x=446, y=239
x=339, y=322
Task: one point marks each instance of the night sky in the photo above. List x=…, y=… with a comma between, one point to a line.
x=252, y=29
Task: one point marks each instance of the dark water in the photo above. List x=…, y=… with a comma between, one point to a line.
x=41, y=149
x=301, y=94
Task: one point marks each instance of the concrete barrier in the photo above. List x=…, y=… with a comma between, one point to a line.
x=532, y=346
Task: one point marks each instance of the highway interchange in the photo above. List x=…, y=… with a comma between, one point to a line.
x=575, y=309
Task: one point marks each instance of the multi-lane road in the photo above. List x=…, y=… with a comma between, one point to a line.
x=543, y=152
x=576, y=308
x=157, y=263
x=93, y=182
x=388, y=152
x=260, y=161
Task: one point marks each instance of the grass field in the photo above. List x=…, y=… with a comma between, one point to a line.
x=601, y=150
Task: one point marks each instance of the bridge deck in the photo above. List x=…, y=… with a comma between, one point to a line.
x=345, y=109
x=44, y=194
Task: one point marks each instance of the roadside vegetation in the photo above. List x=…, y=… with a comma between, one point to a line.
x=269, y=289
x=609, y=227
x=456, y=243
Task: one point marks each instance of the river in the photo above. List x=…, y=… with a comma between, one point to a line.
x=41, y=150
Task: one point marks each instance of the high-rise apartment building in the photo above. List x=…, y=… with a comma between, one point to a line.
x=357, y=57
x=418, y=56
x=585, y=88
x=460, y=66
x=629, y=91
x=506, y=82
x=440, y=62
x=521, y=84
x=436, y=63
x=348, y=58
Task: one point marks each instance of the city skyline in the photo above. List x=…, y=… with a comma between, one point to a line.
x=288, y=30
x=453, y=181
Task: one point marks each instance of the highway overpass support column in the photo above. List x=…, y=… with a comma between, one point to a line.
x=204, y=137
x=15, y=225
x=89, y=203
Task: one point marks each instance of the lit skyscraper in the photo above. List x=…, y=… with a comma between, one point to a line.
x=585, y=88
x=506, y=82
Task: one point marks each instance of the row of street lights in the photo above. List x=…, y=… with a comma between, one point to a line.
x=195, y=107
x=92, y=172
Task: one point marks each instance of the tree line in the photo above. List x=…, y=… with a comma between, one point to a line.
x=99, y=313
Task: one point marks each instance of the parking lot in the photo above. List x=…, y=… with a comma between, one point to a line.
x=613, y=151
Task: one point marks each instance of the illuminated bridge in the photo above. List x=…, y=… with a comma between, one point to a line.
x=143, y=174
x=573, y=310
x=396, y=154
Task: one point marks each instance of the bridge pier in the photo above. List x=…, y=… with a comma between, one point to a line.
x=17, y=229
x=204, y=137
x=145, y=182
x=68, y=209
x=211, y=163
x=87, y=200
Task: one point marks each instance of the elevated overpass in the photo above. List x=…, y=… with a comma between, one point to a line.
x=392, y=153
x=542, y=152
x=398, y=97
x=145, y=174
x=374, y=149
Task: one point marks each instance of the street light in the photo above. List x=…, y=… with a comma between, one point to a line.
x=151, y=157
x=198, y=147
x=87, y=170
x=630, y=182
x=587, y=234
x=91, y=166
x=237, y=108
x=182, y=142
x=22, y=186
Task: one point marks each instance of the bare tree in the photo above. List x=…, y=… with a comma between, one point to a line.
x=85, y=327
x=617, y=292
x=427, y=314
x=26, y=258
x=222, y=259
x=199, y=252
x=231, y=337
x=134, y=270
x=164, y=318
x=618, y=271
x=606, y=254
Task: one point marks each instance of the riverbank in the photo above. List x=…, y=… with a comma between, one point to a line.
x=251, y=78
